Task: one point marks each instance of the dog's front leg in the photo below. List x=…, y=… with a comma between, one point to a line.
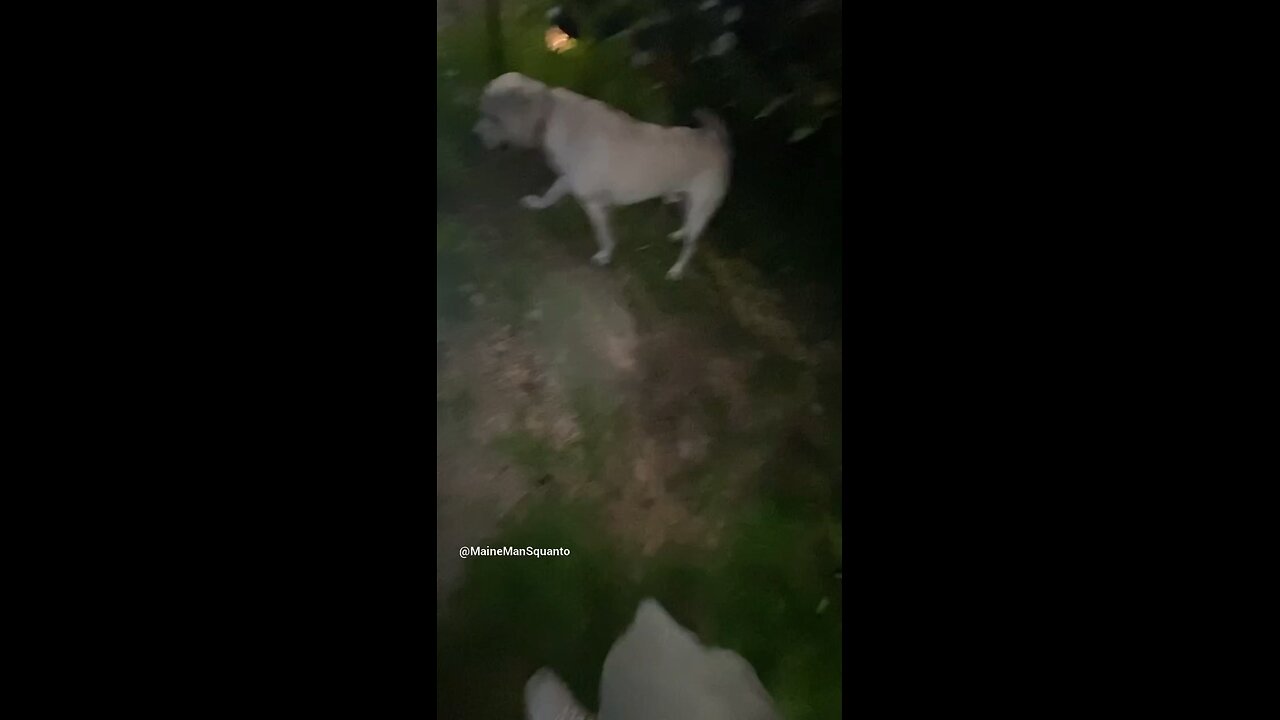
x=551, y=197
x=598, y=213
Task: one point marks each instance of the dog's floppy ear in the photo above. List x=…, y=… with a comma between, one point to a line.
x=523, y=110
x=539, y=109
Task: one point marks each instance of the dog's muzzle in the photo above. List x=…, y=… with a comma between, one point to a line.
x=488, y=135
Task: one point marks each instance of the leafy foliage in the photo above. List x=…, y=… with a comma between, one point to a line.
x=751, y=61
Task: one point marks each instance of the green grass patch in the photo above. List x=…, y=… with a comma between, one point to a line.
x=776, y=373
x=759, y=595
x=458, y=407
x=534, y=455
x=513, y=615
x=603, y=428
x=765, y=591
x=799, y=478
x=454, y=269
x=465, y=267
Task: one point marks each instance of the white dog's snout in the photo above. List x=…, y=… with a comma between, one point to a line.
x=488, y=134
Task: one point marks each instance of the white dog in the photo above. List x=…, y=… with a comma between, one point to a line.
x=659, y=669
x=605, y=157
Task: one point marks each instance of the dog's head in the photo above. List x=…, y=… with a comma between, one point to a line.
x=513, y=111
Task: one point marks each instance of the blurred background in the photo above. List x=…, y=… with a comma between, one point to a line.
x=683, y=440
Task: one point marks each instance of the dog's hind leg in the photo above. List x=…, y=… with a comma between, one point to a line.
x=681, y=202
x=598, y=213
x=698, y=212
x=553, y=194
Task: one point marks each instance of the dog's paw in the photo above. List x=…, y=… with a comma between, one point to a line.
x=675, y=273
x=532, y=202
x=676, y=236
x=601, y=258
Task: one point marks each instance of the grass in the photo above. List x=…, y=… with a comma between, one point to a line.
x=458, y=407
x=760, y=591
x=760, y=596
x=602, y=425
x=454, y=268
x=514, y=615
x=764, y=592
x=532, y=454
x=776, y=373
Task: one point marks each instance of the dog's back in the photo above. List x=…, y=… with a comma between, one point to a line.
x=608, y=152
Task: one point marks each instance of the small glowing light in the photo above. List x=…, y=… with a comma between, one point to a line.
x=558, y=40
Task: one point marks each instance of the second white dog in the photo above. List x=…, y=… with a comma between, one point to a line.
x=605, y=157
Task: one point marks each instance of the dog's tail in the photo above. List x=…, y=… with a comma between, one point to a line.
x=713, y=124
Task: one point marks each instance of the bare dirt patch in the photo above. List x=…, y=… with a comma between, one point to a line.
x=757, y=307
x=491, y=385
x=566, y=389
x=515, y=391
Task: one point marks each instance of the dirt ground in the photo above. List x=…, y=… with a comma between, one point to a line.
x=557, y=376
